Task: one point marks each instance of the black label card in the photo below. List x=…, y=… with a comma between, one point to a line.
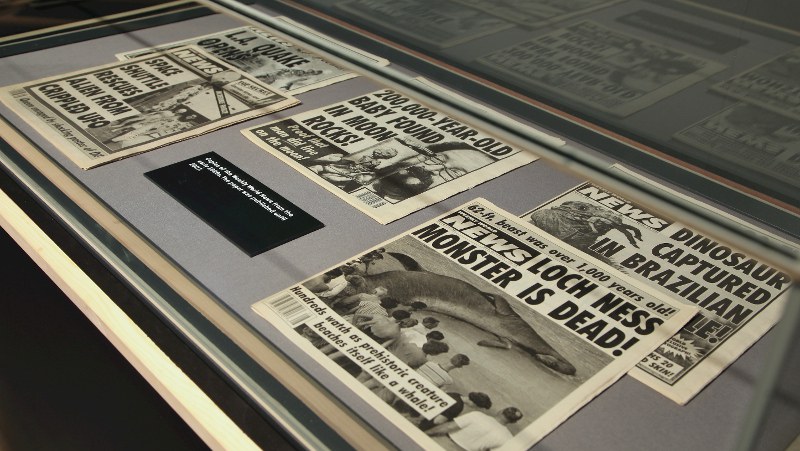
x=252, y=216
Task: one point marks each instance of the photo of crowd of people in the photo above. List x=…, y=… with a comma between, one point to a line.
x=581, y=224
x=390, y=295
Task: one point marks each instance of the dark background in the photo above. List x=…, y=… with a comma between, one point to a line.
x=63, y=385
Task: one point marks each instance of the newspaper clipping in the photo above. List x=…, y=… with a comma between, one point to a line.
x=605, y=69
x=386, y=154
x=750, y=137
x=439, y=24
x=537, y=13
x=739, y=297
x=269, y=58
x=110, y=112
x=774, y=85
x=475, y=329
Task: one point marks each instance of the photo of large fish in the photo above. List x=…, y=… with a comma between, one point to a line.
x=463, y=301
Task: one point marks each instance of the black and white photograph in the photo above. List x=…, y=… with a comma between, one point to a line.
x=105, y=113
x=581, y=225
x=178, y=108
x=401, y=167
x=451, y=328
x=537, y=13
x=457, y=331
x=271, y=59
x=738, y=296
x=387, y=154
x=605, y=69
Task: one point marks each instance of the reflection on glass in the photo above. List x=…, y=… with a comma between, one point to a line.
x=664, y=75
x=596, y=66
x=438, y=24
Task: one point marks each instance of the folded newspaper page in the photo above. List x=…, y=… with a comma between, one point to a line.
x=474, y=330
x=271, y=59
x=386, y=154
x=439, y=24
x=750, y=137
x=774, y=85
x=537, y=13
x=597, y=66
x=740, y=298
x=109, y=112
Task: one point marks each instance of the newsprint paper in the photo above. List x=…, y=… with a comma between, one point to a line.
x=607, y=70
x=439, y=24
x=739, y=297
x=752, y=138
x=271, y=59
x=474, y=330
x=109, y=112
x=386, y=154
x=774, y=85
x=537, y=13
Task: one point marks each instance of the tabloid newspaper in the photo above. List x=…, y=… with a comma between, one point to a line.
x=751, y=137
x=537, y=13
x=386, y=154
x=474, y=330
x=774, y=85
x=439, y=24
x=739, y=297
x=109, y=112
x=607, y=70
x=271, y=59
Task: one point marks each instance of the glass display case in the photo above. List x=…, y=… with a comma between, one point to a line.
x=651, y=149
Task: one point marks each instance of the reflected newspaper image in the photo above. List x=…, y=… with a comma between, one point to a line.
x=474, y=330
x=751, y=137
x=774, y=85
x=385, y=154
x=110, y=112
x=439, y=24
x=270, y=58
x=607, y=70
x=537, y=13
x=739, y=297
